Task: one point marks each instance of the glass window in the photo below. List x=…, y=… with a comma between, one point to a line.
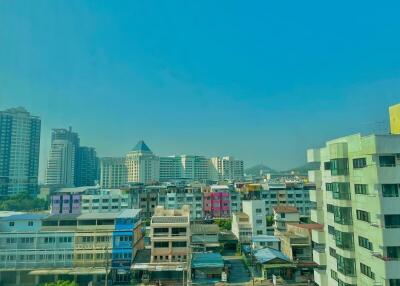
x=387, y=161
x=390, y=190
x=331, y=230
x=394, y=282
x=392, y=221
x=365, y=243
x=366, y=270
x=329, y=208
x=179, y=244
x=339, y=167
x=393, y=252
x=346, y=266
x=363, y=216
x=341, y=191
x=342, y=215
x=359, y=163
x=344, y=240
x=361, y=189
x=161, y=244
x=327, y=165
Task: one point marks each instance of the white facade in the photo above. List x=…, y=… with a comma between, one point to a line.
x=105, y=201
x=241, y=227
x=61, y=163
x=357, y=199
x=226, y=168
x=142, y=165
x=255, y=209
x=113, y=172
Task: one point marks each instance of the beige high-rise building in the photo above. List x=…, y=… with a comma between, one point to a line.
x=226, y=168
x=142, y=165
x=113, y=172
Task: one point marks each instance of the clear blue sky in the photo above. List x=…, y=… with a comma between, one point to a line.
x=260, y=80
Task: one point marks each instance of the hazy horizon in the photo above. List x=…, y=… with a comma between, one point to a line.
x=260, y=82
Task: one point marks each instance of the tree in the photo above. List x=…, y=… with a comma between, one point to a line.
x=270, y=220
x=224, y=224
x=23, y=202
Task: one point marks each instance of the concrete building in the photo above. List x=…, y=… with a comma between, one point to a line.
x=255, y=209
x=241, y=227
x=40, y=248
x=19, y=152
x=62, y=161
x=284, y=215
x=87, y=172
x=170, y=235
x=262, y=241
x=89, y=200
x=357, y=200
x=226, y=169
x=142, y=165
x=216, y=202
x=113, y=172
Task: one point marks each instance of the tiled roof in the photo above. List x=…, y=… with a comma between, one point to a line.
x=285, y=209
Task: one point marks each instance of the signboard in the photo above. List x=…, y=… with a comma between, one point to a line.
x=224, y=277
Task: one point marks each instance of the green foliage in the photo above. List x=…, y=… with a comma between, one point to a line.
x=23, y=202
x=270, y=220
x=62, y=283
x=224, y=224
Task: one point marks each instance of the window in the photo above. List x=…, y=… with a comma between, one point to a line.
x=49, y=240
x=30, y=223
x=363, y=216
x=393, y=252
x=158, y=230
x=331, y=230
x=361, y=189
x=365, y=243
x=259, y=221
x=366, y=270
x=11, y=223
x=390, y=190
x=327, y=165
x=259, y=232
x=334, y=275
x=329, y=208
x=258, y=211
x=332, y=252
x=179, y=231
x=387, y=161
x=328, y=187
x=392, y=221
x=283, y=215
x=339, y=167
x=161, y=244
x=359, y=163
x=342, y=215
x=394, y=282
x=179, y=244
x=344, y=240
x=341, y=191
x=346, y=266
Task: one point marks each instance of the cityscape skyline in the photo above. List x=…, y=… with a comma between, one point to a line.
x=191, y=84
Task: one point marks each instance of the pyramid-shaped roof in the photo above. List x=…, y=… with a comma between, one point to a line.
x=141, y=147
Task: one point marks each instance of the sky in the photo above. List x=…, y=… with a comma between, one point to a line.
x=258, y=80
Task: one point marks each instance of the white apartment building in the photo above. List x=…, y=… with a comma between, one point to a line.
x=357, y=199
x=104, y=200
x=284, y=215
x=113, y=172
x=61, y=163
x=255, y=209
x=142, y=165
x=226, y=168
x=241, y=227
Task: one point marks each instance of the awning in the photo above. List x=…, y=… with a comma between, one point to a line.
x=158, y=267
x=70, y=271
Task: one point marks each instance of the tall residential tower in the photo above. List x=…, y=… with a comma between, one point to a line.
x=19, y=151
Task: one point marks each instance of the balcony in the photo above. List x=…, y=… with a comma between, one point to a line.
x=317, y=216
x=319, y=256
x=320, y=277
x=318, y=236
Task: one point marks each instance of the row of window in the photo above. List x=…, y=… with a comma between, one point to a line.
x=165, y=244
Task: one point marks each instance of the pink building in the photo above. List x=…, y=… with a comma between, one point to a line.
x=216, y=202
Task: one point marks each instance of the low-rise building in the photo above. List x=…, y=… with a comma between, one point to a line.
x=262, y=241
x=255, y=209
x=241, y=227
x=205, y=237
x=284, y=215
x=216, y=202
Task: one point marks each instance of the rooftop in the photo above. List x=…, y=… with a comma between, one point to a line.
x=267, y=254
x=141, y=147
x=285, y=209
x=170, y=219
x=207, y=259
x=265, y=238
x=23, y=216
x=204, y=229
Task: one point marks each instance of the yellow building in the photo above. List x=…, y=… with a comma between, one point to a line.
x=394, y=112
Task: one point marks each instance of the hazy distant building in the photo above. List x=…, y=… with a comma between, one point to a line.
x=61, y=163
x=19, y=151
x=184, y=167
x=113, y=172
x=87, y=167
x=143, y=166
x=226, y=168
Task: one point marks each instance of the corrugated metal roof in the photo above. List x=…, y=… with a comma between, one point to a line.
x=208, y=259
x=24, y=216
x=204, y=229
x=267, y=254
x=169, y=219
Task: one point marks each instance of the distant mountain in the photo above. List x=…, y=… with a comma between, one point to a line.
x=301, y=170
x=256, y=170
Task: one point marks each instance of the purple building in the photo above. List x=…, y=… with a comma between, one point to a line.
x=66, y=204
